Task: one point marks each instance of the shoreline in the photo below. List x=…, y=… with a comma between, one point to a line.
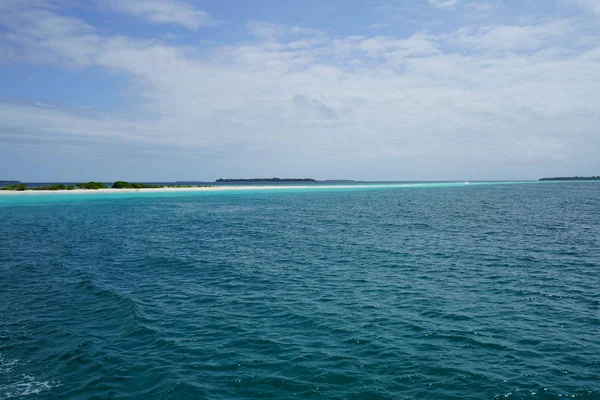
x=242, y=188
x=225, y=188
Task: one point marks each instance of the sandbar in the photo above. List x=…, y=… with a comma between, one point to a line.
x=204, y=189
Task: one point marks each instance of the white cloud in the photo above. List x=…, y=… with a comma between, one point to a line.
x=485, y=97
x=269, y=31
x=13, y=5
x=443, y=4
x=498, y=38
x=589, y=5
x=163, y=11
x=266, y=30
x=481, y=9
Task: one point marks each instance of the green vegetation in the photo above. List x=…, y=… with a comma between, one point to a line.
x=17, y=186
x=95, y=185
x=128, y=185
x=22, y=187
x=58, y=186
x=92, y=185
x=573, y=178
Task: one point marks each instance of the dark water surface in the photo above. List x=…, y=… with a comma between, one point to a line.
x=466, y=292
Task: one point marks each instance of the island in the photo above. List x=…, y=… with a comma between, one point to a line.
x=266, y=180
x=92, y=185
x=21, y=187
x=572, y=178
x=128, y=185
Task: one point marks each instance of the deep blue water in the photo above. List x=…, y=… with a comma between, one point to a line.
x=435, y=292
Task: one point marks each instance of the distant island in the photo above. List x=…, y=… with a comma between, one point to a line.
x=129, y=185
x=269, y=180
x=572, y=178
x=21, y=187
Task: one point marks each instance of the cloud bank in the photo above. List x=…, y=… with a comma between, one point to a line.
x=483, y=101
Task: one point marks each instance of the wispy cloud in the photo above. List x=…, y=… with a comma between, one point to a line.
x=443, y=4
x=270, y=31
x=481, y=9
x=589, y=5
x=512, y=38
x=164, y=12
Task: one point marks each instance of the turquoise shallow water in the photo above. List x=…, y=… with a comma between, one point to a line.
x=439, y=291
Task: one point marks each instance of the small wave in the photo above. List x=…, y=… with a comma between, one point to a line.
x=107, y=295
x=26, y=385
x=7, y=366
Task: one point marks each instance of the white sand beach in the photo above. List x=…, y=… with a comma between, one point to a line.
x=198, y=189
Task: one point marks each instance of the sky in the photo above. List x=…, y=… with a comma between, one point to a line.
x=159, y=90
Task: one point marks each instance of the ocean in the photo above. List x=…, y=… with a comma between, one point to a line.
x=433, y=291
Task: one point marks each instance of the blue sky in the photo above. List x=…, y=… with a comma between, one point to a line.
x=376, y=89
